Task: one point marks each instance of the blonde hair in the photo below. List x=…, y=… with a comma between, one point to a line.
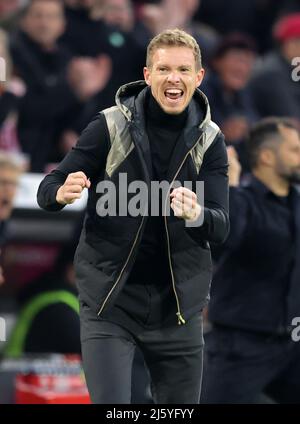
x=170, y=38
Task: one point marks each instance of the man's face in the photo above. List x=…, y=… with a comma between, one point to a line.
x=44, y=22
x=291, y=48
x=287, y=157
x=235, y=68
x=8, y=185
x=173, y=77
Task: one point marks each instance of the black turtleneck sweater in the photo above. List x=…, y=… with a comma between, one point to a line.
x=148, y=299
x=163, y=131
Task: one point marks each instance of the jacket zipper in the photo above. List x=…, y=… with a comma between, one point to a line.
x=122, y=270
x=181, y=320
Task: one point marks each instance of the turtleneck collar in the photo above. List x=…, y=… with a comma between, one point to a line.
x=156, y=116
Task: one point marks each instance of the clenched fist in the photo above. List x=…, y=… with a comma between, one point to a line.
x=72, y=188
x=184, y=204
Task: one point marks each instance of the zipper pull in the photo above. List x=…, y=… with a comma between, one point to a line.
x=180, y=318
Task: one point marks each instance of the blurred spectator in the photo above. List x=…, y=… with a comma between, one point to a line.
x=10, y=12
x=50, y=101
x=87, y=34
x=44, y=305
x=255, y=294
x=275, y=90
x=253, y=17
x=11, y=91
x=88, y=76
x=118, y=13
x=84, y=36
x=113, y=21
x=9, y=178
x=91, y=81
x=179, y=14
x=226, y=86
x=125, y=49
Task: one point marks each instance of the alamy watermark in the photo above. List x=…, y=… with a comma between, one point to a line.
x=2, y=70
x=296, y=331
x=2, y=330
x=134, y=199
x=296, y=71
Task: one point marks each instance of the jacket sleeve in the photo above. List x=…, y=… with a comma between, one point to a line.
x=214, y=174
x=241, y=215
x=89, y=156
x=270, y=102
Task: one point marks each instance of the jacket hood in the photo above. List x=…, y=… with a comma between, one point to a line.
x=128, y=93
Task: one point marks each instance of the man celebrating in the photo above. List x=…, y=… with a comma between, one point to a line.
x=144, y=280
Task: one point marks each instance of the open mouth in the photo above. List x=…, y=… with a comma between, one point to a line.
x=173, y=93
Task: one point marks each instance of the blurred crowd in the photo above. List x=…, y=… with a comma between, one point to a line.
x=65, y=59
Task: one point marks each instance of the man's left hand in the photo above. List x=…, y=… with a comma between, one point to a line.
x=184, y=204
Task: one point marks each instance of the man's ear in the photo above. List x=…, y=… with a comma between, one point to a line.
x=267, y=157
x=147, y=75
x=199, y=77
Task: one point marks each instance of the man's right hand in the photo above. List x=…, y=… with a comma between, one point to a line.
x=72, y=188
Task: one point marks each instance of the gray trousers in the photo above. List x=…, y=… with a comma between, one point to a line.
x=173, y=355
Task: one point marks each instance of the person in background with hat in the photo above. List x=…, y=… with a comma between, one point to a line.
x=275, y=84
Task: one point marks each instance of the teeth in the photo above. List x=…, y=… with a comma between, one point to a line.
x=173, y=91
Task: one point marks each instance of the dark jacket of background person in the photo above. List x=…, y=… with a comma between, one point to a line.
x=109, y=245
x=263, y=292
x=3, y=232
x=49, y=102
